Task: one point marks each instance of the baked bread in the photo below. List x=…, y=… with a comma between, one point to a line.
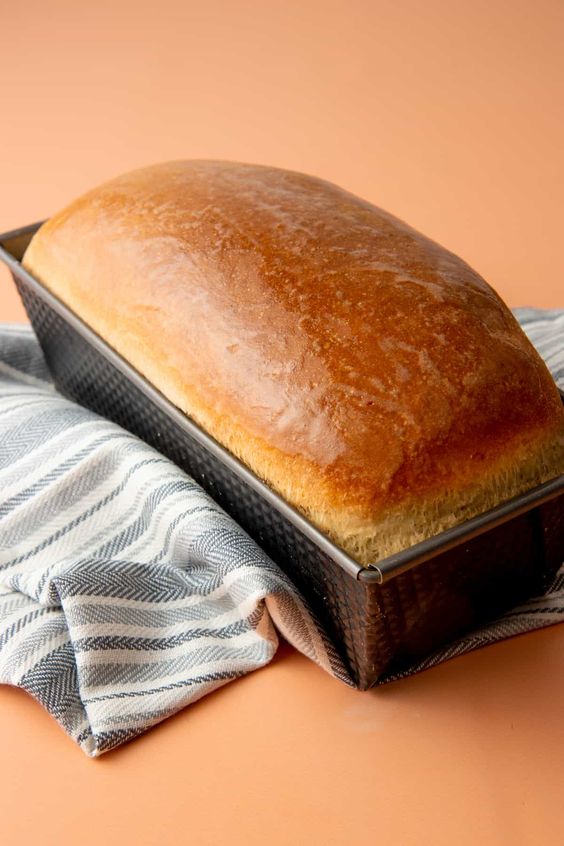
x=364, y=372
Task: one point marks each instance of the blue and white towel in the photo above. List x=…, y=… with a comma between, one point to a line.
x=125, y=592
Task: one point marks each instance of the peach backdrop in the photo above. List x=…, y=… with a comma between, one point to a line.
x=448, y=114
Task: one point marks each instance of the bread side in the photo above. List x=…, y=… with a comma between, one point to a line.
x=364, y=372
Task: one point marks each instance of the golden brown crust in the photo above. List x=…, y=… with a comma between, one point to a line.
x=358, y=367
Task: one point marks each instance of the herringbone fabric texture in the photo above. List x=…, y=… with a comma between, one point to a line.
x=125, y=592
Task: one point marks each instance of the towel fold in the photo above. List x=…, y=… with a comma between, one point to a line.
x=125, y=591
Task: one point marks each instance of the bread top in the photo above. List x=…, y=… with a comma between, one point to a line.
x=364, y=372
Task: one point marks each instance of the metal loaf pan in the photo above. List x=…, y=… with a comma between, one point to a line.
x=382, y=618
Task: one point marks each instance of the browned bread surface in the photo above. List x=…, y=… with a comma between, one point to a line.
x=364, y=372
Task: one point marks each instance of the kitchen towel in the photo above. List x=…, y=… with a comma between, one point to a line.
x=126, y=593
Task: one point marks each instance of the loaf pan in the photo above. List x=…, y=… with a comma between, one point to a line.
x=382, y=618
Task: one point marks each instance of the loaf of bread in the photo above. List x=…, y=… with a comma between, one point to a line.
x=365, y=373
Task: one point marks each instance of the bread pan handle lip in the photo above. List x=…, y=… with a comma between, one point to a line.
x=5, y=253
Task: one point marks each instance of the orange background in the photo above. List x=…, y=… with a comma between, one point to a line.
x=448, y=114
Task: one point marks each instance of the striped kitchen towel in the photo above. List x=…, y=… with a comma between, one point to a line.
x=125, y=592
